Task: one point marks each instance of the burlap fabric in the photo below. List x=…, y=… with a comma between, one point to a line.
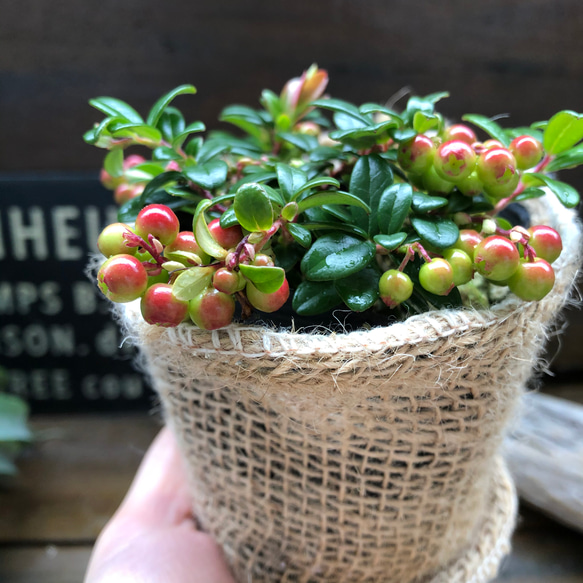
x=364, y=456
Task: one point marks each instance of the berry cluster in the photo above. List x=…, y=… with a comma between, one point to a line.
x=145, y=261
x=380, y=211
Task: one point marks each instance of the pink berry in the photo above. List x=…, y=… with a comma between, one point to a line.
x=468, y=240
x=133, y=160
x=159, y=307
x=532, y=280
x=416, y=155
x=267, y=302
x=226, y=237
x=212, y=309
x=186, y=242
x=496, y=167
x=460, y=132
x=527, y=150
x=157, y=220
x=108, y=180
x=125, y=192
x=454, y=160
x=395, y=287
x=546, y=242
x=227, y=281
x=496, y=258
x=122, y=278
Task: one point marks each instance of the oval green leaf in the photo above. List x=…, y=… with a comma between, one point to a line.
x=192, y=128
x=113, y=163
x=210, y=175
x=565, y=129
x=333, y=197
x=359, y=291
x=300, y=234
x=191, y=282
x=265, y=279
x=315, y=183
x=165, y=100
x=424, y=203
x=315, y=297
x=115, y=107
x=290, y=179
x=202, y=234
x=253, y=208
x=437, y=231
x=568, y=196
x=394, y=206
x=390, y=242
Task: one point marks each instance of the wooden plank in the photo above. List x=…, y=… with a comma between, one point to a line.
x=74, y=477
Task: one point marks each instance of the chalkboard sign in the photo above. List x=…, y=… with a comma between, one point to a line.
x=59, y=347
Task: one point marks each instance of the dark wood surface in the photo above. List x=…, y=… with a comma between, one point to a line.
x=76, y=474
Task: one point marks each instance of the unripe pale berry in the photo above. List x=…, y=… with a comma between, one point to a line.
x=161, y=308
x=460, y=132
x=527, y=150
x=125, y=192
x=111, y=240
x=434, y=183
x=263, y=260
x=157, y=220
x=436, y=276
x=122, y=278
x=108, y=181
x=532, y=280
x=227, y=281
x=227, y=238
x=468, y=240
x=212, y=309
x=454, y=160
x=462, y=265
x=416, y=155
x=267, y=302
x=496, y=167
x=546, y=242
x=471, y=186
x=496, y=258
x=395, y=287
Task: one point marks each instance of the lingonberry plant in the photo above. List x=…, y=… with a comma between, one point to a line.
x=330, y=203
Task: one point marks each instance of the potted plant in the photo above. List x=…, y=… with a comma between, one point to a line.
x=343, y=334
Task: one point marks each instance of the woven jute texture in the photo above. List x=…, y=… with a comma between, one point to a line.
x=367, y=456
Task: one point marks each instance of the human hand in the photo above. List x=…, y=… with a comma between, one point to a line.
x=152, y=537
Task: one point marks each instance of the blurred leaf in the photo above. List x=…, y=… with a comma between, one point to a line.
x=566, y=194
x=290, y=180
x=301, y=141
x=565, y=129
x=567, y=159
x=489, y=126
x=300, y=234
x=211, y=175
x=111, y=106
x=113, y=163
x=13, y=417
x=162, y=103
x=192, y=128
x=171, y=123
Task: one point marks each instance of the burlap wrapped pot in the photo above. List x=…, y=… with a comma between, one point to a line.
x=351, y=457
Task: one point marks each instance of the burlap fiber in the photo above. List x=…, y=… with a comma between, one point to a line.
x=355, y=457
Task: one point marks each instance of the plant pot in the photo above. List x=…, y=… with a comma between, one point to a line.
x=366, y=456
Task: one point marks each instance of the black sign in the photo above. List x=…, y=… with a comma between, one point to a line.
x=59, y=347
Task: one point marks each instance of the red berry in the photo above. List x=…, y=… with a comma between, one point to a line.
x=122, y=278
x=111, y=240
x=436, y=277
x=462, y=265
x=157, y=220
x=489, y=144
x=460, y=132
x=161, y=308
x=185, y=242
x=546, y=242
x=212, y=309
x=173, y=165
x=527, y=150
x=416, y=155
x=263, y=260
x=395, y=287
x=454, y=160
x=133, y=160
x=532, y=280
x=227, y=238
x=125, y=192
x=496, y=258
x=227, y=281
x=108, y=180
x=468, y=240
x=496, y=167
x=267, y=302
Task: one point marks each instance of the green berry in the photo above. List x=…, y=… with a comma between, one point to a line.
x=471, y=186
x=432, y=182
x=462, y=265
x=395, y=287
x=436, y=277
x=111, y=241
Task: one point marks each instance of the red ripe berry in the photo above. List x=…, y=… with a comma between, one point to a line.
x=111, y=240
x=416, y=155
x=496, y=258
x=227, y=238
x=108, y=180
x=436, y=277
x=546, y=242
x=460, y=132
x=212, y=309
x=468, y=240
x=133, y=160
x=185, y=241
x=267, y=302
x=395, y=287
x=527, y=150
x=454, y=160
x=532, y=280
x=496, y=167
x=157, y=220
x=125, y=192
x=122, y=278
x=161, y=308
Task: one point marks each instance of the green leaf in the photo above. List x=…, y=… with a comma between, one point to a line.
x=171, y=123
x=423, y=122
x=290, y=179
x=113, y=162
x=359, y=291
x=300, y=234
x=162, y=103
x=364, y=138
x=568, y=196
x=161, y=182
x=418, y=104
x=326, y=226
x=192, y=282
x=435, y=97
x=568, y=159
x=437, y=231
x=245, y=118
x=565, y=129
x=253, y=208
x=336, y=256
x=315, y=297
x=165, y=153
x=394, y=206
x=315, y=183
x=115, y=107
x=368, y=108
x=390, y=242
x=192, y=128
x=529, y=193
x=13, y=415
x=139, y=133
x=210, y=175
x=128, y=212
x=301, y=141
x=489, y=126
x=144, y=172
x=287, y=256
x=342, y=107
x=7, y=467
x=331, y=197
x=266, y=279
x=344, y=121
x=202, y=234
x=326, y=153
x=370, y=177
x=274, y=195
x=424, y=203
x=229, y=218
